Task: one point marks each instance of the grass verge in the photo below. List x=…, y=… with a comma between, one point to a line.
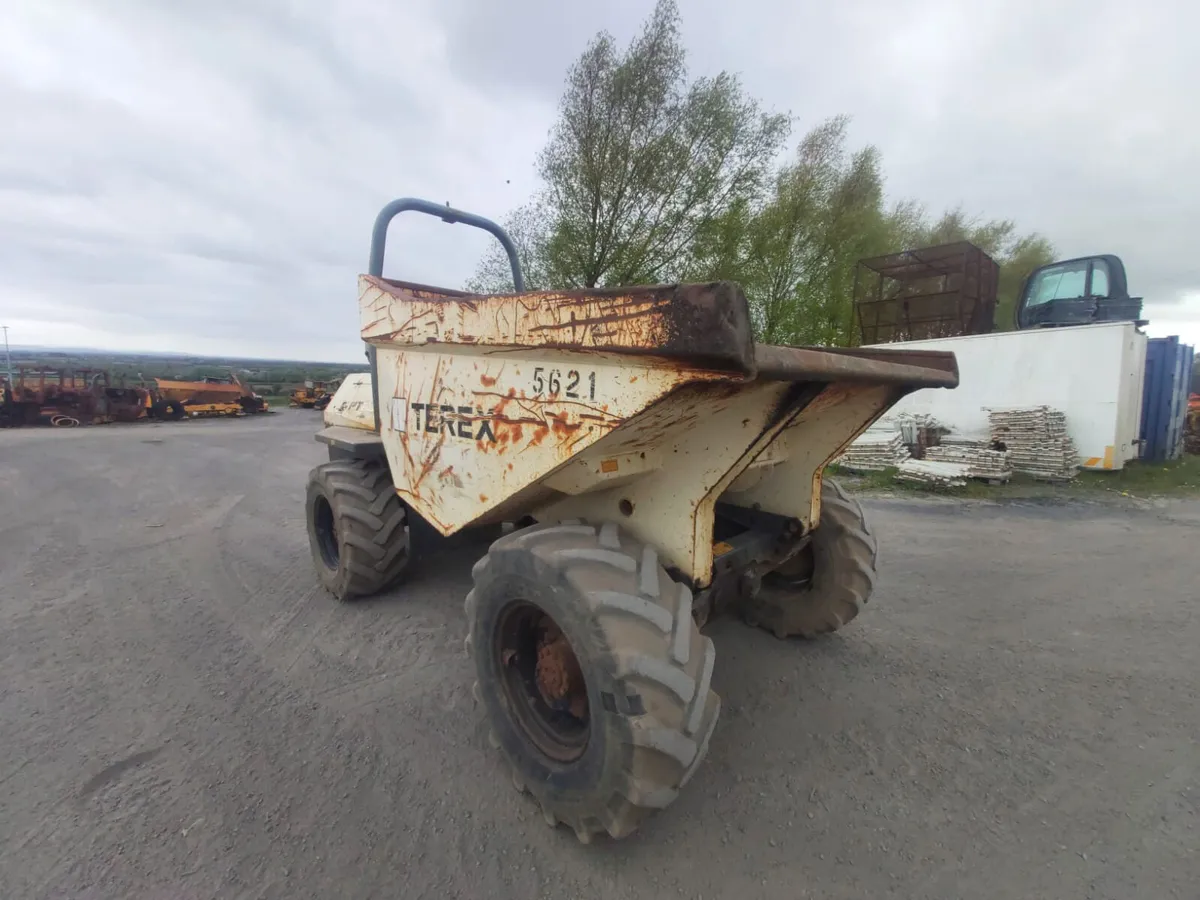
x=1176, y=478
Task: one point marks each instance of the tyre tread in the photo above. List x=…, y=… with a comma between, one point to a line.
x=646, y=617
x=855, y=551
x=372, y=521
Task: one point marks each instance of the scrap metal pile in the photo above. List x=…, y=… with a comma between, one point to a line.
x=67, y=398
x=73, y=397
x=1037, y=441
x=919, y=431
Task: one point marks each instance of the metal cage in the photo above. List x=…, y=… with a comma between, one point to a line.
x=932, y=292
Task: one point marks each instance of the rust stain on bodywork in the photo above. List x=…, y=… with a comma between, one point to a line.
x=522, y=423
x=706, y=325
x=493, y=400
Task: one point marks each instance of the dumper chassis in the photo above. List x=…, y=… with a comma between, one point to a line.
x=647, y=467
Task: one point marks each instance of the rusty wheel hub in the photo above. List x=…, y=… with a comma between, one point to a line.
x=559, y=678
x=543, y=680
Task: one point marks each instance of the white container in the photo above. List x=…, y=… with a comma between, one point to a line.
x=1092, y=373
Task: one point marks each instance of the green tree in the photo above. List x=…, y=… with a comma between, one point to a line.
x=641, y=166
x=527, y=226
x=649, y=177
x=824, y=213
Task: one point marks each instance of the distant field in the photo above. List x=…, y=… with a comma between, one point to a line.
x=270, y=378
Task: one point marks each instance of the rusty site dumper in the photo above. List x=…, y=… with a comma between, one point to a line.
x=648, y=467
x=68, y=398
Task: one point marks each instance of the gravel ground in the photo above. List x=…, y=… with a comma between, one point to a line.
x=186, y=715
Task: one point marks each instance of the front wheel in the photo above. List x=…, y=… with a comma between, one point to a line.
x=357, y=528
x=595, y=679
x=828, y=582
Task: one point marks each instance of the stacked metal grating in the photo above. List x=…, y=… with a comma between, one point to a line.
x=874, y=451
x=979, y=459
x=918, y=431
x=1037, y=441
x=927, y=471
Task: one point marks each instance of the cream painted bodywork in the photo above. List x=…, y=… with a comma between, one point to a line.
x=707, y=443
x=518, y=428
x=492, y=434
x=353, y=404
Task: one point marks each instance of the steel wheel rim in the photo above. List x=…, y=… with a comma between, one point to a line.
x=558, y=726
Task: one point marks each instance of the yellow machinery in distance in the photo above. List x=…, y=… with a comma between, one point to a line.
x=314, y=394
x=228, y=396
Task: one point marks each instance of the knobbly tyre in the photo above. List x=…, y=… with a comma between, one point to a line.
x=661, y=469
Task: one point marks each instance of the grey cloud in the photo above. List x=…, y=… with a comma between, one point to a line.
x=528, y=45
x=203, y=175
x=1071, y=118
x=224, y=185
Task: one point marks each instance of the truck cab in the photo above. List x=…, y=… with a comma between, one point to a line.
x=1077, y=292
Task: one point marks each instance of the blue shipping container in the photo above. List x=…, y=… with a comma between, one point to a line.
x=1165, y=397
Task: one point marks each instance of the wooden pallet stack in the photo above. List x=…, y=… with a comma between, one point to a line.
x=1037, y=441
x=980, y=460
x=874, y=451
x=939, y=474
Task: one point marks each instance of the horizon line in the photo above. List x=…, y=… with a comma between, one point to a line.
x=16, y=348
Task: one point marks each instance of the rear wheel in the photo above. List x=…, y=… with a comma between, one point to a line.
x=172, y=410
x=827, y=583
x=594, y=676
x=357, y=528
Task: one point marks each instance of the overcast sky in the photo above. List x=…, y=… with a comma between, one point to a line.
x=202, y=176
